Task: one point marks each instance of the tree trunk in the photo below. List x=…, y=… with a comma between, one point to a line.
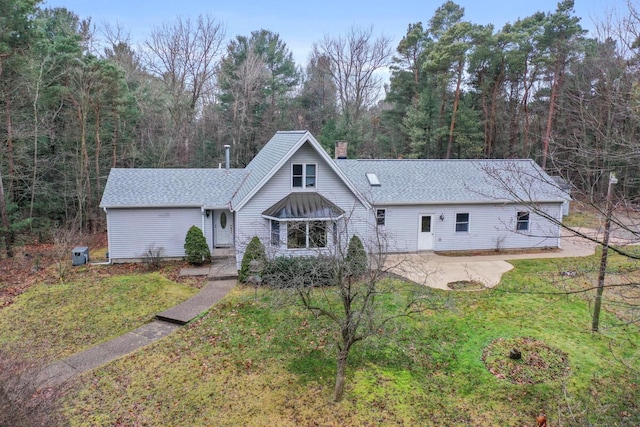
x=8, y=237
x=525, y=109
x=514, y=119
x=36, y=135
x=456, y=101
x=440, y=145
x=114, y=147
x=485, y=113
x=94, y=213
x=341, y=374
x=552, y=109
x=11, y=177
x=84, y=199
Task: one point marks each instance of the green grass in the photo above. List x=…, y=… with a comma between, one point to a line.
x=583, y=219
x=52, y=321
x=253, y=362
x=258, y=362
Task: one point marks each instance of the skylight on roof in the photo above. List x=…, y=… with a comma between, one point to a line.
x=373, y=180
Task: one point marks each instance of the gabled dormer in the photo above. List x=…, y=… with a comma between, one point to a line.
x=282, y=151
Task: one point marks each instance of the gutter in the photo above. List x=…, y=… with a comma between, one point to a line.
x=150, y=206
x=463, y=202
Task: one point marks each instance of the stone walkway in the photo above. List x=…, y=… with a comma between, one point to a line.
x=183, y=313
x=166, y=322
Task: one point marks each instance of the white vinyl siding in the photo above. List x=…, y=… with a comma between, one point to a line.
x=328, y=184
x=208, y=228
x=491, y=226
x=134, y=231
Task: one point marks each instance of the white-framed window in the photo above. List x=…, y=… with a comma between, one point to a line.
x=303, y=175
x=381, y=216
x=306, y=234
x=275, y=233
x=462, y=222
x=522, y=222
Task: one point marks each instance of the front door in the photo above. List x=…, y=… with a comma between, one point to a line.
x=222, y=228
x=425, y=233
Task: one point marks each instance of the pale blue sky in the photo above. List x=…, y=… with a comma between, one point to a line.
x=301, y=23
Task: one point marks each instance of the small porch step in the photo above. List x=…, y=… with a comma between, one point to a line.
x=223, y=252
x=222, y=268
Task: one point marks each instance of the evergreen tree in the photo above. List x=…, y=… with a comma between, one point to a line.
x=195, y=247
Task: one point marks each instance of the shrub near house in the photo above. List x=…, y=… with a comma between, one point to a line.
x=195, y=247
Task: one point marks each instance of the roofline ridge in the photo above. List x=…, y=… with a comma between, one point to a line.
x=435, y=160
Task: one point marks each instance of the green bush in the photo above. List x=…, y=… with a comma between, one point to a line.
x=356, y=258
x=299, y=272
x=254, y=252
x=196, y=248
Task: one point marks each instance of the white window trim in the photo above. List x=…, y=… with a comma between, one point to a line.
x=304, y=176
x=519, y=221
x=468, y=222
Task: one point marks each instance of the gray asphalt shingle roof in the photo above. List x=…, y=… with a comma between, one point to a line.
x=171, y=187
x=441, y=181
x=263, y=163
x=401, y=181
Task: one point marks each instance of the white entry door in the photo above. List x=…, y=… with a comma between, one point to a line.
x=222, y=228
x=425, y=233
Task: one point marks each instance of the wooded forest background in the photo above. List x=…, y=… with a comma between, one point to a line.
x=78, y=99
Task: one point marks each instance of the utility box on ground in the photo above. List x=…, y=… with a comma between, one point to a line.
x=80, y=255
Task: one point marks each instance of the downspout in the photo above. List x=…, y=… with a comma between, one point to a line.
x=106, y=212
x=559, y=238
x=234, y=215
x=203, y=216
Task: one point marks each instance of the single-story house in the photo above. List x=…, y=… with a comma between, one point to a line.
x=299, y=200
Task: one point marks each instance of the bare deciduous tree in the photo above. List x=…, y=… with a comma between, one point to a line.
x=346, y=284
x=356, y=62
x=184, y=55
x=245, y=84
x=526, y=187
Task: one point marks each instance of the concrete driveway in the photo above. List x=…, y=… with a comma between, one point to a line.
x=437, y=271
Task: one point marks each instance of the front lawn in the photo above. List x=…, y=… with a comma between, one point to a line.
x=51, y=321
x=253, y=362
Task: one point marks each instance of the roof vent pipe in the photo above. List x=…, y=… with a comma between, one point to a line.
x=227, y=158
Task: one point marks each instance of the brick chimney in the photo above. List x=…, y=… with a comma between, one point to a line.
x=341, y=149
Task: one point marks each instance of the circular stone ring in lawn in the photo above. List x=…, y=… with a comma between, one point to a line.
x=525, y=360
